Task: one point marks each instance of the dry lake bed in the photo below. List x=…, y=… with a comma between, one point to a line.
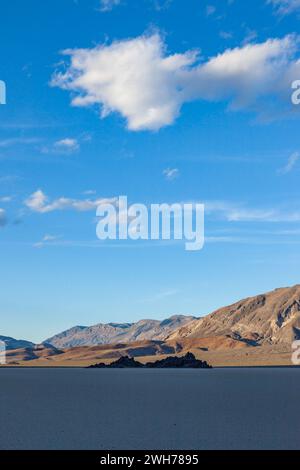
x=234, y=408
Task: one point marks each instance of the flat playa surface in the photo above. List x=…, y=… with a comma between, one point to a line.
x=150, y=409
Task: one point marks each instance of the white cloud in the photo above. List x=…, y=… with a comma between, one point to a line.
x=292, y=161
x=147, y=86
x=65, y=146
x=171, y=173
x=131, y=77
x=3, y=219
x=47, y=239
x=39, y=202
x=36, y=201
x=69, y=145
x=108, y=5
x=285, y=7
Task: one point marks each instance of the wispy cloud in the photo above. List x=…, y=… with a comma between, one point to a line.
x=148, y=87
x=225, y=35
x=6, y=198
x=251, y=36
x=18, y=141
x=215, y=210
x=108, y=5
x=285, y=7
x=47, y=239
x=161, y=295
x=291, y=163
x=210, y=10
x=39, y=202
x=161, y=4
x=233, y=212
x=90, y=192
x=171, y=174
x=63, y=146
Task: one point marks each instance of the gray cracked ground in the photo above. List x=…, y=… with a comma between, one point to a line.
x=150, y=409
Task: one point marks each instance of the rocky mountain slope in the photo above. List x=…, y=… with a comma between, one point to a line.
x=271, y=318
x=117, y=333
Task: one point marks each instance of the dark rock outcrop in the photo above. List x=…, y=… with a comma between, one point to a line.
x=183, y=362
x=172, y=362
x=122, y=363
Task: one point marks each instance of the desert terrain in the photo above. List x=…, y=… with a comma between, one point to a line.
x=257, y=331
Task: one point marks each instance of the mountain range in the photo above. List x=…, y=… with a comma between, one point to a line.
x=154, y=330
x=269, y=318
x=257, y=330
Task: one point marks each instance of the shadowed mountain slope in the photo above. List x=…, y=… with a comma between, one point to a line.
x=12, y=343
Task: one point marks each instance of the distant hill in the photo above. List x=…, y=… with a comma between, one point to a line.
x=11, y=343
x=115, y=333
x=25, y=354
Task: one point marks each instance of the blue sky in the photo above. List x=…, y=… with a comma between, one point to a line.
x=199, y=88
